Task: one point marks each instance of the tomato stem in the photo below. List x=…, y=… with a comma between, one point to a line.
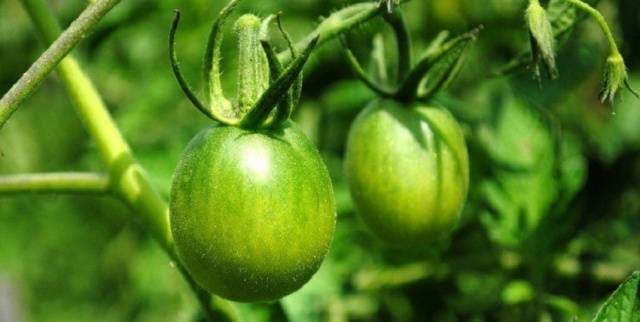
x=403, y=41
x=595, y=14
x=336, y=24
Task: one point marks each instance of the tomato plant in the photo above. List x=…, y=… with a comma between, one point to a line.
x=468, y=172
x=252, y=208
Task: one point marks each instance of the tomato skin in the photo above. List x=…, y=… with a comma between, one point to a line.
x=252, y=212
x=408, y=171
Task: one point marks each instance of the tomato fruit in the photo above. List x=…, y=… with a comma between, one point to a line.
x=252, y=211
x=408, y=171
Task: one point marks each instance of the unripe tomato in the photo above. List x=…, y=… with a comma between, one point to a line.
x=252, y=211
x=408, y=171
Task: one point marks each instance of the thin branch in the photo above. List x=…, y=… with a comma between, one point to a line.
x=587, y=8
x=338, y=23
x=52, y=56
x=70, y=182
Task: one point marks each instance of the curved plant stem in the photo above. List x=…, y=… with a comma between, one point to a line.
x=127, y=178
x=70, y=182
x=405, y=60
x=54, y=54
x=338, y=23
x=613, y=47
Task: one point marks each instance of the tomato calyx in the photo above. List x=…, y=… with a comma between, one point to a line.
x=414, y=82
x=267, y=91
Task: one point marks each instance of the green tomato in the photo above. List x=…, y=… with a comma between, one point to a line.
x=408, y=171
x=252, y=211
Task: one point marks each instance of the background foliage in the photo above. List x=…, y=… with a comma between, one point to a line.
x=551, y=226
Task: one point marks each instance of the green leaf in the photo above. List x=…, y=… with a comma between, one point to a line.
x=437, y=68
x=523, y=186
x=622, y=305
x=443, y=72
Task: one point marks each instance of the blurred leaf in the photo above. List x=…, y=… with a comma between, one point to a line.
x=521, y=189
x=517, y=292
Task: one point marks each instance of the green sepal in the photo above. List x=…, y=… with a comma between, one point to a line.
x=211, y=63
x=253, y=70
x=273, y=95
x=175, y=66
x=439, y=67
x=357, y=69
x=542, y=39
x=615, y=77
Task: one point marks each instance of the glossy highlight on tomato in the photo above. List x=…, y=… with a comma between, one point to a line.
x=408, y=171
x=252, y=211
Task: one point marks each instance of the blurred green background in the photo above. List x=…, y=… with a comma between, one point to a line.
x=550, y=228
